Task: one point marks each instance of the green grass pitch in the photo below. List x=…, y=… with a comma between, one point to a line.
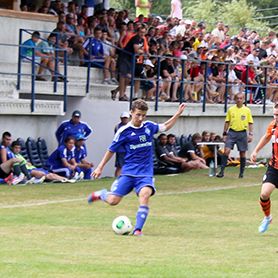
x=197, y=227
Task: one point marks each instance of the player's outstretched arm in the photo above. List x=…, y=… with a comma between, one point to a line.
x=97, y=172
x=263, y=141
x=171, y=122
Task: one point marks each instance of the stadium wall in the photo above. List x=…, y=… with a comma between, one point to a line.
x=103, y=115
x=12, y=21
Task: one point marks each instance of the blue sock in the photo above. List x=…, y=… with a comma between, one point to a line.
x=141, y=217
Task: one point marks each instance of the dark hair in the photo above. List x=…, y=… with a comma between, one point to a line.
x=196, y=136
x=139, y=104
x=171, y=135
x=6, y=133
x=69, y=138
x=15, y=143
x=161, y=135
x=36, y=34
x=97, y=29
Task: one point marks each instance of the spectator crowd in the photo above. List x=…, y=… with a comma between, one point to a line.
x=108, y=38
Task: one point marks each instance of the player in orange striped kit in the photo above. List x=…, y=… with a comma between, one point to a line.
x=270, y=179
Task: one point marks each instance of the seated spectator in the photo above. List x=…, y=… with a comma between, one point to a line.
x=148, y=84
x=46, y=47
x=45, y=61
x=207, y=150
x=191, y=152
x=80, y=154
x=169, y=157
x=109, y=61
x=94, y=52
x=39, y=174
x=62, y=161
x=6, y=169
x=169, y=78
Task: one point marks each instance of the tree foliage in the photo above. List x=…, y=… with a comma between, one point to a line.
x=235, y=13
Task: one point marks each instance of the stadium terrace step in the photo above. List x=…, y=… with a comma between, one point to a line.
x=73, y=72
x=8, y=89
x=23, y=107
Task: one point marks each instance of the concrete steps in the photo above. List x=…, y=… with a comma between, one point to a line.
x=73, y=72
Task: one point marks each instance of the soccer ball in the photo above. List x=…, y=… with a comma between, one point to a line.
x=121, y=225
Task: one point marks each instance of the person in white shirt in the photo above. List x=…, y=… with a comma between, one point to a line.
x=253, y=57
x=219, y=31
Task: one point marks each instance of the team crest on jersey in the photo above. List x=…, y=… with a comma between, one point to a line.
x=147, y=131
x=142, y=138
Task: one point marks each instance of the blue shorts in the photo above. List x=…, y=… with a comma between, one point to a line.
x=125, y=184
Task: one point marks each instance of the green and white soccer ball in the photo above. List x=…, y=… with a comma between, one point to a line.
x=122, y=225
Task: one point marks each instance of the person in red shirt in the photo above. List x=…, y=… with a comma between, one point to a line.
x=270, y=179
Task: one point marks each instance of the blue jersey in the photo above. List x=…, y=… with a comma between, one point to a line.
x=80, y=154
x=137, y=143
x=67, y=128
x=10, y=154
x=27, y=49
x=96, y=48
x=55, y=159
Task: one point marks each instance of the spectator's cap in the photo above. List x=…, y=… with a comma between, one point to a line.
x=125, y=115
x=159, y=18
x=256, y=41
x=148, y=62
x=79, y=137
x=188, y=22
x=257, y=49
x=183, y=57
x=76, y=113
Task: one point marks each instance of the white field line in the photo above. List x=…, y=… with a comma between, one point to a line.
x=48, y=202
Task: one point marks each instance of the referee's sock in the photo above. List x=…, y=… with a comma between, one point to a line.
x=242, y=166
x=224, y=159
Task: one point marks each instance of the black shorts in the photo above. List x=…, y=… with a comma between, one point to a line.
x=271, y=176
x=239, y=138
x=3, y=174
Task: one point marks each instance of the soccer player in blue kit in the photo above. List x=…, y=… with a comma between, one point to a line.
x=137, y=173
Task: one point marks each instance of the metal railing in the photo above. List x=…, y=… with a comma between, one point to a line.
x=184, y=80
x=33, y=61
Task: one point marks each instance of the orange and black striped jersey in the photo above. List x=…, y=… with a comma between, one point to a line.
x=272, y=133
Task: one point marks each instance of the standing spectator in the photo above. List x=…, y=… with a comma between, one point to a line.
x=72, y=128
x=136, y=45
x=238, y=121
x=219, y=31
x=120, y=155
x=80, y=154
x=176, y=9
x=143, y=8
